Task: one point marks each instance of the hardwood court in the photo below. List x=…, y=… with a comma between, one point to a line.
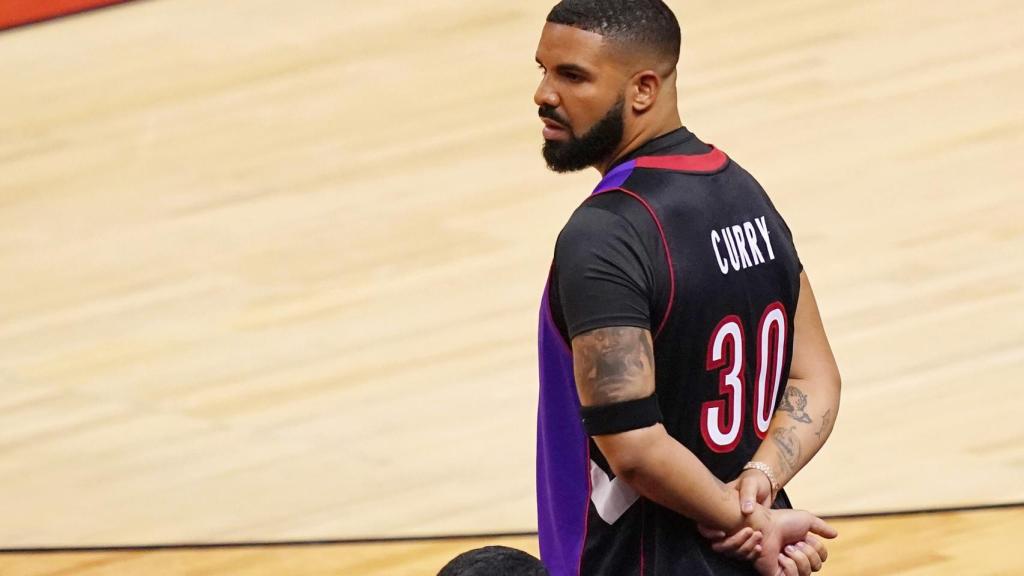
x=272, y=272
x=920, y=545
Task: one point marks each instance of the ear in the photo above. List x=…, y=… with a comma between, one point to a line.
x=645, y=88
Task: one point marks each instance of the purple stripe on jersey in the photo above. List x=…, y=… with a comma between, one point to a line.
x=563, y=481
x=617, y=177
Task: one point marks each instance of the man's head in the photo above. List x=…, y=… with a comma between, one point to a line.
x=494, y=561
x=609, y=78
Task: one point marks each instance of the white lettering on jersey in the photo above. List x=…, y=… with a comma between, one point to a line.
x=752, y=243
x=763, y=227
x=723, y=264
x=730, y=246
x=611, y=498
x=742, y=246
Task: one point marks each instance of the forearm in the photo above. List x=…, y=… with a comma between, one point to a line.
x=664, y=471
x=800, y=426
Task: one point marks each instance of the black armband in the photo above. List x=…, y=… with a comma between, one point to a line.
x=621, y=416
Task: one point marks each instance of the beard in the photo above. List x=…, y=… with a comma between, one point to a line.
x=596, y=145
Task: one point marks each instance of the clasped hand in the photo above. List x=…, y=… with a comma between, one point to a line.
x=778, y=542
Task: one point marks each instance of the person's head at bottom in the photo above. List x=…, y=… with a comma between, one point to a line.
x=494, y=561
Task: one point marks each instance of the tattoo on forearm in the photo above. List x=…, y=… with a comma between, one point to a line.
x=789, y=448
x=794, y=403
x=826, y=419
x=610, y=363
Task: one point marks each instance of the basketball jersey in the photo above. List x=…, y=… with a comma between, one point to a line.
x=724, y=279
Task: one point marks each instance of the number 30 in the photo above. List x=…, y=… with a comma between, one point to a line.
x=721, y=421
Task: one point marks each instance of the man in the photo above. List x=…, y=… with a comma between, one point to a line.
x=676, y=319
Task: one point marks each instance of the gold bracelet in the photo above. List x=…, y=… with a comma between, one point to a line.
x=767, y=470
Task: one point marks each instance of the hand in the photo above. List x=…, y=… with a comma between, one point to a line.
x=783, y=527
x=754, y=488
x=743, y=545
x=803, y=558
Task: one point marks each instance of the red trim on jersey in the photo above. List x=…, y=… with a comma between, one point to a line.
x=668, y=254
x=708, y=163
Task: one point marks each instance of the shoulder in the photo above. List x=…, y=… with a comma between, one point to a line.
x=600, y=224
x=611, y=210
x=593, y=219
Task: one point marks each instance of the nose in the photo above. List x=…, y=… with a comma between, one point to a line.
x=545, y=95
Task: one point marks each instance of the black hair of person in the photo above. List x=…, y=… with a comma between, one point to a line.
x=647, y=24
x=494, y=561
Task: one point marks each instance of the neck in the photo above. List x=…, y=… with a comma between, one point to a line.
x=638, y=139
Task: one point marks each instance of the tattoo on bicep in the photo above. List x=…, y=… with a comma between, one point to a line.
x=794, y=403
x=789, y=447
x=826, y=419
x=614, y=364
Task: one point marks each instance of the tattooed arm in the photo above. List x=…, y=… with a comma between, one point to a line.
x=617, y=364
x=797, y=431
x=808, y=409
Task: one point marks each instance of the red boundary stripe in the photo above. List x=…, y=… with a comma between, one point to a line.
x=20, y=12
x=712, y=161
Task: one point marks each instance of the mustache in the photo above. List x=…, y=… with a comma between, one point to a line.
x=551, y=113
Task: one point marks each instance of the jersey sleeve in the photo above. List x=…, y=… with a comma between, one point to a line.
x=604, y=274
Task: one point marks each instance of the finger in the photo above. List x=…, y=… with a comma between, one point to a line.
x=818, y=546
x=710, y=533
x=811, y=554
x=788, y=566
x=803, y=564
x=733, y=543
x=748, y=495
x=748, y=547
x=821, y=528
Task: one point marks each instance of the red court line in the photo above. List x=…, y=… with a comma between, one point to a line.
x=20, y=12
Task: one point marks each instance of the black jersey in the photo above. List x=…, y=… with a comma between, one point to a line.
x=680, y=240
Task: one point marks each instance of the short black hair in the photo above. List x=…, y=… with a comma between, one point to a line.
x=494, y=561
x=646, y=23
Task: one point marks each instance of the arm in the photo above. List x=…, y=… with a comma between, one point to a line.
x=808, y=410
x=797, y=431
x=615, y=365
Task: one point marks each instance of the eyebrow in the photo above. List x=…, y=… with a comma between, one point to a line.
x=567, y=68
x=572, y=69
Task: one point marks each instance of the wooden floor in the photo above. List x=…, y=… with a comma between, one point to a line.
x=975, y=543
x=270, y=272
